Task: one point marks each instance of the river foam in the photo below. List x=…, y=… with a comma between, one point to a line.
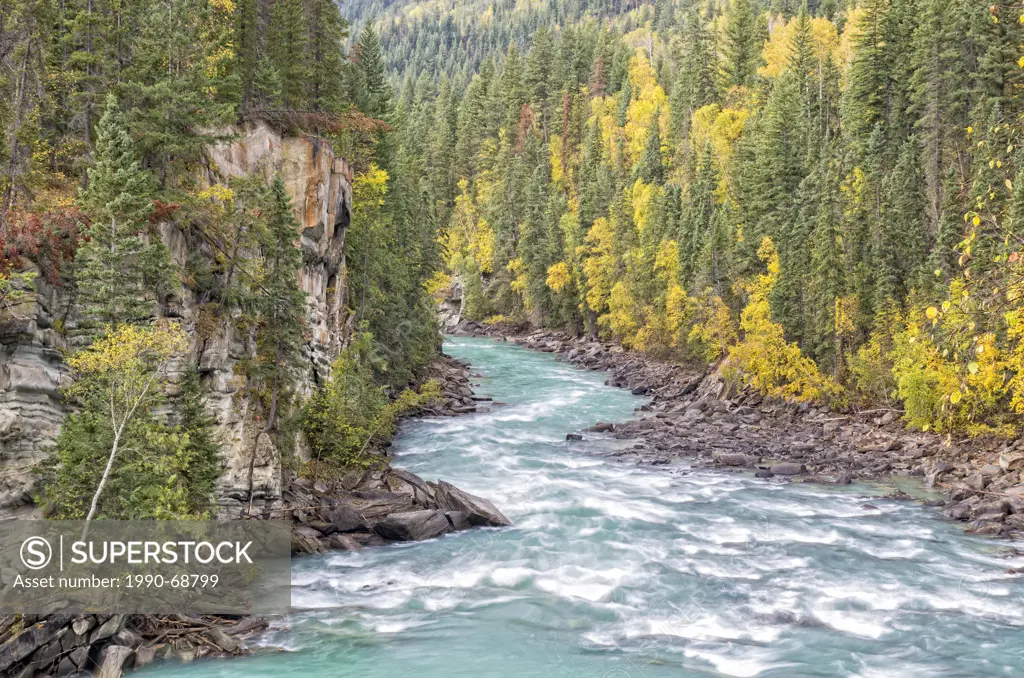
x=613, y=570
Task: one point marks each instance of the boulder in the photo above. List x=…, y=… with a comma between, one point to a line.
x=976, y=481
x=478, y=510
x=602, y=427
x=222, y=640
x=29, y=640
x=418, y=488
x=113, y=661
x=346, y=519
x=788, y=468
x=306, y=540
x=1011, y=461
x=413, y=525
x=343, y=542
x=573, y=436
x=733, y=459
x=990, y=510
x=458, y=520
x=111, y=626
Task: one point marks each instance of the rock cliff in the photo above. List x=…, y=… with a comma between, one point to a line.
x=31, y=348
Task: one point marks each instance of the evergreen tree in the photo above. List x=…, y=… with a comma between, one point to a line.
x=288, y=53
x=328, y=32
x=122, y=268
x=744, y=35
x=279, y=304
x=651, y=166
x=374, y=97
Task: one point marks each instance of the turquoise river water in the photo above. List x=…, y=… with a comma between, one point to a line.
x=618, y=571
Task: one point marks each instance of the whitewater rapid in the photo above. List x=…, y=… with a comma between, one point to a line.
x=616, y=570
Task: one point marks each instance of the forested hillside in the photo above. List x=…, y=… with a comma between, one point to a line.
x=825, y=193
x=128, y=257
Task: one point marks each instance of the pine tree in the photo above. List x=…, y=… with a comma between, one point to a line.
x=651, y=166
x=279, y=304
x=696, y=84
x=744, y=35
x=122, y=268
x=288, y=52
x=328, y=32
x=375, y=95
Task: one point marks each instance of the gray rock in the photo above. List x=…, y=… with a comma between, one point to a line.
x=478, y=510
x=458, y=520
x=128, y=638
x=83, y=625
x=113, y=661
x=990, y=510
x=343, y=542
x=602, y=427
x=108, y=628
x=763, y=473
x=306, y=540
x=420, y=490
x=573, y=436
x=733, y=459
x=413, y=525
x=145, y=655
x=1011, y=461
x=346, y=519
x=976, y=481
x=788, y=468
x=223, y=640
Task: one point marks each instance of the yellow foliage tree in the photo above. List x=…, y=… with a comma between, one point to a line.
x=764, y=359
x=124, y=370
x=649, y=99
x=600, y=265
x=778, y=49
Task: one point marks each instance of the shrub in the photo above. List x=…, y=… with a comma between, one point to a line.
x=350, y=413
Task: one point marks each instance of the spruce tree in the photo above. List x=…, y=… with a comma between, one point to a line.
x=744, y=36
x=279, y=304
x=122, y=267
x=651, y=166
x=288, y=52
x=328, y=32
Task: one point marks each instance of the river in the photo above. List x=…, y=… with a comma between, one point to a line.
x=614, y=570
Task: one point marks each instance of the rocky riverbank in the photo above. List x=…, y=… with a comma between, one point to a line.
x=694, y=418
x=369, y=506
x=378, y=504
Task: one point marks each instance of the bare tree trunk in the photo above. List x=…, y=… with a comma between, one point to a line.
x=102, y=480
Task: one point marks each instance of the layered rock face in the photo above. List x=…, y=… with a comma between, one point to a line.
x=32, y=371
x=31, y=349
x=319, y=185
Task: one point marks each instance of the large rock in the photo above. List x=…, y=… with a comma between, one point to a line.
x=413, y=525
x=31, y=639
x=346, y=519
x=1011, y=461
x=113, y=661
x=788, y=468
x=478, y=510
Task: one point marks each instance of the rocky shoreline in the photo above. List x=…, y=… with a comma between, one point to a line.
x=364, y=507
x=380, y=504
x=695, y=418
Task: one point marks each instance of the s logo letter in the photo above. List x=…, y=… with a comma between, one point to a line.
x=36, y=553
